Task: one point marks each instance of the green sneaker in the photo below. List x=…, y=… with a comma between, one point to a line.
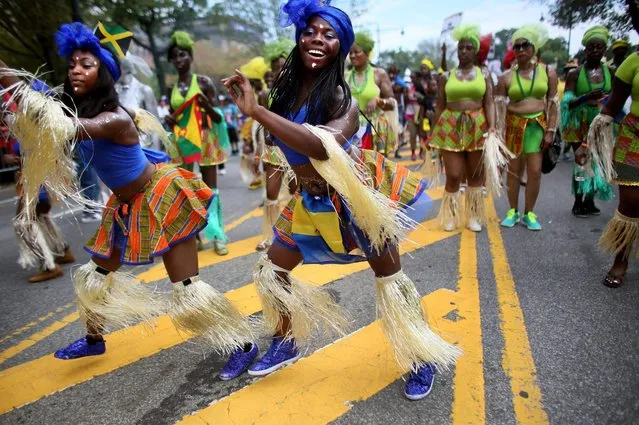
x=512, y=218
x=530, y=221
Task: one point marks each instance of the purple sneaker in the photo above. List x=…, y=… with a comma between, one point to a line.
x=238, y=363
x=420, y=384
x=80, y=348
x=281, y=353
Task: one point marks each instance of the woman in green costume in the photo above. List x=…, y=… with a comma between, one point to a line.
x=372, y=89
x=529, y=121
x=210, y=153
x=586, y=87
x=465, y=113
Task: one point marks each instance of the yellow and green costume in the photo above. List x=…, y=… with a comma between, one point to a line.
x=626, y=152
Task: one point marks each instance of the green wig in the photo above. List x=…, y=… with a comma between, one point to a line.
x=364, y=41
x=280, y=48
x=467, y=32
x=183, y=40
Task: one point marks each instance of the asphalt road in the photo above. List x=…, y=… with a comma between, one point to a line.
x=544, y=340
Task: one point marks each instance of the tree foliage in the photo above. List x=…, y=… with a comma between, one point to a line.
x=612, y=13
x=501, y=40
x=555, y=51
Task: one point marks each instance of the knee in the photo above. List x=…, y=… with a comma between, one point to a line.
x=453, y=180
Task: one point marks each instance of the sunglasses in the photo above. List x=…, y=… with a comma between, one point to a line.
x=521, y=46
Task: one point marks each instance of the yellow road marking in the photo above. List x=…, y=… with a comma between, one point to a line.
x=517, y=359
x=38, y=336
x=469, y=403
x=35, y=322
x=28, y=382
x=321, y=387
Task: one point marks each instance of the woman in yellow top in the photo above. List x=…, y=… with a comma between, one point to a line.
x=210, y=153
x=373, y=90
x=464, y=113
x=621, y=236
x=529, y=121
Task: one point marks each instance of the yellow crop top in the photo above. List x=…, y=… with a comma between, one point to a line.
x=628, y=72
x=457, y=90
x=522, y=88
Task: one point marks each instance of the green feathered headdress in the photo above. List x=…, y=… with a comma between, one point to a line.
x=364, y=41
x=467, y=32
x=279, y=48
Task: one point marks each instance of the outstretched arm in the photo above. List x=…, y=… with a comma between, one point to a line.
x=296, y=136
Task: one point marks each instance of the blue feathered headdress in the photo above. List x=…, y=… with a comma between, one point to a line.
x=298, y=12
x=75, y=36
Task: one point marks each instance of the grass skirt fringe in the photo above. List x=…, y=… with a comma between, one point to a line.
x=495, y=157
x=200, y=309
x=621, y=236
x=214, y=230
x=450, y=210
x=591, y=186
x=308, y=307
x=115, y=300
x=403, y=322
x=52, y=234
x=34, y=251
x=475, y=204
x=601, y=142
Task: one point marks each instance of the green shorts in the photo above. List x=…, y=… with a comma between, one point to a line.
x=533, y=137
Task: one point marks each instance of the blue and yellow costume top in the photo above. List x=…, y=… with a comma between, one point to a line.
x=322, y=228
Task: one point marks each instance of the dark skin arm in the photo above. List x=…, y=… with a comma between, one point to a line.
x=207, y=101
x=489, y=103
x=386, y=90
x=444, y=67
x=441, y=98
x=169, y=120
x=296, y=136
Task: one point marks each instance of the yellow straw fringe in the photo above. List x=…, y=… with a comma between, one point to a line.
x=46, y=129
x=200, y=309
x=309, y=308
x=495, y=158
x=149, y=124
x=52, y=234
x=475, y=204
x=601, y=142
x=271, y=214
x=621, y=236
x=34, y=252
x=403, y=322
x=116, y=300
x=377, y=215
x=500, y=116
x=450, y=210
x=430, y=169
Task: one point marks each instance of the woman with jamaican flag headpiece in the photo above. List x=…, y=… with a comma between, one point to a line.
x=155, y=211
x=199, y=127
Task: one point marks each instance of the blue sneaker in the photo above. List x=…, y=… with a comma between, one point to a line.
x=80, y=348
x=281, y=353
x=238, y=363
x=512, y=218
x=420, y=384
x=530, y=221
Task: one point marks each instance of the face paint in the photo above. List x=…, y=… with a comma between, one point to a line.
x=314, y=65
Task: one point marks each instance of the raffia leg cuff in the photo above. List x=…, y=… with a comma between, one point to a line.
x=475, y=205
x=114, y=300
x=200, y=309
x=52, y=234
x=309, y=308
x=34, y=252
x=403, y=322
x=271, y=214
x=450, y=213
x=621, y=236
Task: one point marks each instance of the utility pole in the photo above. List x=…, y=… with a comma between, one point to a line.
x=569, y=33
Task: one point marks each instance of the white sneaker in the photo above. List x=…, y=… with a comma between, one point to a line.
x=222, y=172
x=474, y=225
x=450, y=226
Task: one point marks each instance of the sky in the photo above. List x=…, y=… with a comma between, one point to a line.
x=423, y=19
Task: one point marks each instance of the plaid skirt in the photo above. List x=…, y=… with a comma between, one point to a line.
x=394, y=181
x=516, y=129
x=459, y=131
x=270, y=156
x=626, y=152
x=171, y=209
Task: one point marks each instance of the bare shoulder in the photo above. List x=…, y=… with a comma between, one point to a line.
x=574, y=73
x=205, y=82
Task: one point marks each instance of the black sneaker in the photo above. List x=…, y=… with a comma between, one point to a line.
x=579, y=210
x=591, y=209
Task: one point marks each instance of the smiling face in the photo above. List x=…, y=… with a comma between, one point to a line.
x=359, y=58
x=524, y=51
x=594, y=51
x=466, y=53
x=83, y=72
x=319, y=44
x=181, y=59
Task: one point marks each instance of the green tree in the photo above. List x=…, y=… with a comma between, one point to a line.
x=402, y=59
x=615, y=14
x=555, y=51
x=26, y=35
